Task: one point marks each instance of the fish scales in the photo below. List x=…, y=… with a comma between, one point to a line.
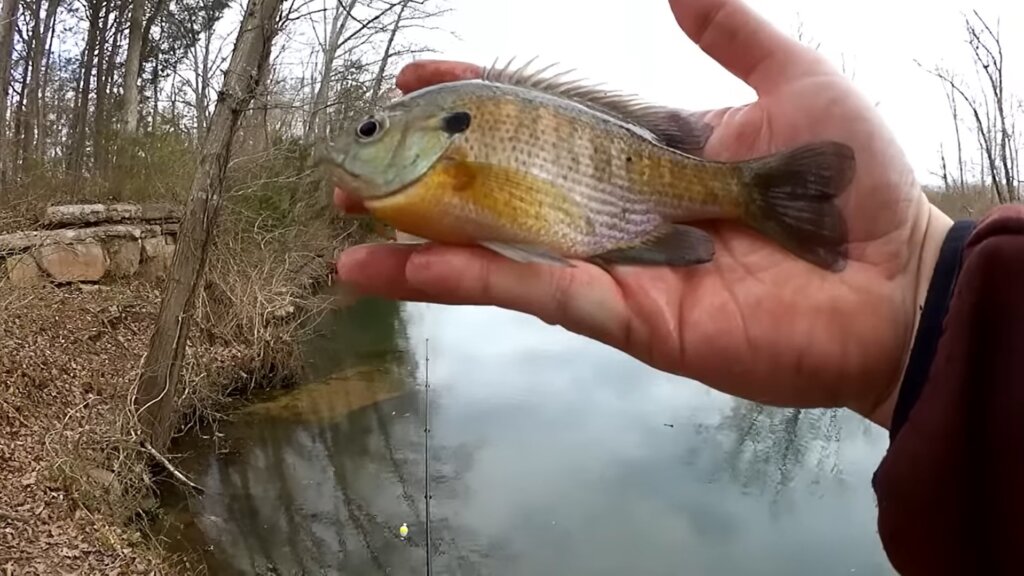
x=623, y=184
x=541, y=170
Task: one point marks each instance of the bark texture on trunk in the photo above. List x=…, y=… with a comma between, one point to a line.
x=130, y=120
x=8, y=14
x=157, y=390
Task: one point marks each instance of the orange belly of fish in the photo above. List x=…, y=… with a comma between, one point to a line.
x=424, y=210
x=460, y=202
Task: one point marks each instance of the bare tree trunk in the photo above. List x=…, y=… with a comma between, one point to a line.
x=961, y=179
x=201, y=79
x=988, y=57
x=130, y=106
x=8, y=14
x=106, y=56
x=156, y=394
x=18, y=118
x=32, y=47
x=41, y=27
x=147, y=28
x=41, y=125
x=316, y=128
x=944, y=170
x=379, y=78
x=84, y=90
x=154, y=83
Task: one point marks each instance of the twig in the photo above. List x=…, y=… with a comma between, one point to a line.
x=8, y=515
x=170, y=467
x=15, y=414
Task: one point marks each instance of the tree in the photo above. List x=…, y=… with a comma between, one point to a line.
x=992, y=110
x=130, y=120
x=316, y=127
x=156, y=392
x=8, y=15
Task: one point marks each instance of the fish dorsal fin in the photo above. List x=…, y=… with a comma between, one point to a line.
x=679, y=129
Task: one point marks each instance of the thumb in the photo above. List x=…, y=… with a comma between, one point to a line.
x=746, y=44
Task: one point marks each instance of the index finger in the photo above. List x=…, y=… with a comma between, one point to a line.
x=348, y=203
x=422, y=73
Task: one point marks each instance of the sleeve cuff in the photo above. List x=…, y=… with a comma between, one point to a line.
x=933, y=315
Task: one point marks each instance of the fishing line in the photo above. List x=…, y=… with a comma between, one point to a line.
x=426, y=444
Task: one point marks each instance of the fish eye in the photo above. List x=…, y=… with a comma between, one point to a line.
x=369, y=128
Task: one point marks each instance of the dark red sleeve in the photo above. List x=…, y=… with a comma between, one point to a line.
x=950, y=488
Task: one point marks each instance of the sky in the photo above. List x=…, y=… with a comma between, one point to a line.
x=642, y=50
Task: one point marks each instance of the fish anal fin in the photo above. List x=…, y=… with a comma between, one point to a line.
x=671, y=245
x=675, y=128
x=527, y=254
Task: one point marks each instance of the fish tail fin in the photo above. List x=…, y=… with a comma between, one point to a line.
x=792, y=200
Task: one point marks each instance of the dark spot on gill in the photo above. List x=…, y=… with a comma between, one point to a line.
x=456, y=122
x=629, y=158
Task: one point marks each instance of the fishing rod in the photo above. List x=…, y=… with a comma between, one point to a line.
x=426, y=445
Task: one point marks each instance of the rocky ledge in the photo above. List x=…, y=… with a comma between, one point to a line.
x=92, y=242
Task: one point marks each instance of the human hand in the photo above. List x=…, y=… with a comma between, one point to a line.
x=756, y=322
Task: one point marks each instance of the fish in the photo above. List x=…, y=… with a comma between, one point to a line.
x=544, y=167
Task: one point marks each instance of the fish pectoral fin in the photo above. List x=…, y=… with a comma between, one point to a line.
x=527, y=254
x=671, y=245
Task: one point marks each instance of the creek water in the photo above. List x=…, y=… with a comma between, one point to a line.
x=548, y=454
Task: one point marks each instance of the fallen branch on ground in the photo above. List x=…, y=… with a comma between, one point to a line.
x=170, y=467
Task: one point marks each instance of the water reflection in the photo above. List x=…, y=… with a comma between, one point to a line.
x=770, y=451
x=549, y=454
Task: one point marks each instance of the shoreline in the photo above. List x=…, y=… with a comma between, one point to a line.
x=77, y=494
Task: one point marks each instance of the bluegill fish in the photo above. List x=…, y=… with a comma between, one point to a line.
x=543, y=169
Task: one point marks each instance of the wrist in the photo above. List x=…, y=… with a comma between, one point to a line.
x=930, y=231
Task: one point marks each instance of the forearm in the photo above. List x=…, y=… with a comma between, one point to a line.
x=948, y=489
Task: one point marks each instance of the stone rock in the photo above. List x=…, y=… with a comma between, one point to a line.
x=157, y=255
x=18, y=241
x=22, y=270
x=124, y=254
x=82, y=262
x=79, y=214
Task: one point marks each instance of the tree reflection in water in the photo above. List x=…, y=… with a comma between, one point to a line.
x=770, y=449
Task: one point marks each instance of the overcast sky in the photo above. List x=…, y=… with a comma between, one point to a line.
x=641, y=49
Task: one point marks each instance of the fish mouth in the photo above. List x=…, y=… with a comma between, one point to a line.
x=331, y=162
x=347, y=181
x=359, y=186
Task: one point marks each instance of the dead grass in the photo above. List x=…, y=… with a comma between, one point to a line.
x=973, y=202
x=75, y=488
